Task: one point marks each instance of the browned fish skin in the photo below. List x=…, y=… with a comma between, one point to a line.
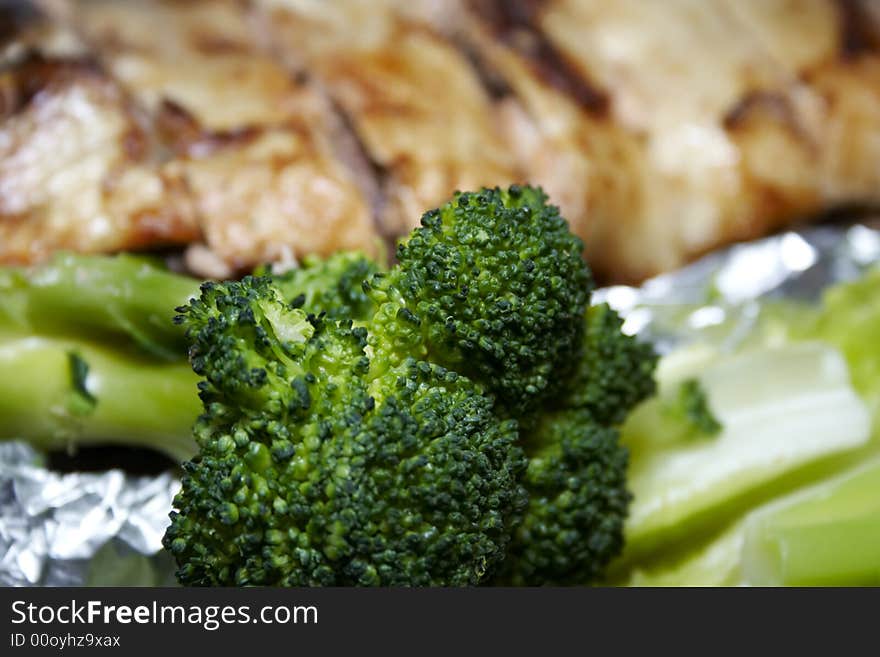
x=254, y=145
x=413, y=98
x=266, y=129
x=726, y=120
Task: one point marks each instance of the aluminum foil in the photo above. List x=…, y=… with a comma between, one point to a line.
x=719, y=297
x=78, y=529
x=106, y=528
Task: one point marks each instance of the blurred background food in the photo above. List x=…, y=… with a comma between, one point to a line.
x=265, y=130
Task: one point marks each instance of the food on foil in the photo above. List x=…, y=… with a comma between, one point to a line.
x=443, y=414
x=346, y=405
x=271, y=130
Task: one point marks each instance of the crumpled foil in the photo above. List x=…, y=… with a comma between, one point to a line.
x=719, y=296
x=80, y=529
x=105, y=528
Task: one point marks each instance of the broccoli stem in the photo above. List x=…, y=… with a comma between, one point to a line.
x=60, y=388
x=58, y=393
x=121, y=297
x=828, y=535
x=783, y=410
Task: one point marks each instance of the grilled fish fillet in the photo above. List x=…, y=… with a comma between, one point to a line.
x=250, y=151
x=718, y=121
x=77, y=170
x=274, y=128
x=255, y=146
x=411, y=95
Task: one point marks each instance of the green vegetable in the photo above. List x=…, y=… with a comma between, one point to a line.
x=82, y=402
x=827, y=535
x=492, y=285
x=61, y=392
x=613, y=373
x=781, y=408
x=576, y=479
x=692, y=407
x=824, y=534
x=578, y=500
x=89, y=354
x=123, y=298
x=850, y=320
x=333, y=285
x=700, y=561
x=379, y=453
x=316, y=469
x=803, y=512
x=680, y=414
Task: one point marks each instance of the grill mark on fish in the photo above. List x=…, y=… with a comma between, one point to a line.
x=185, y=136
x=370, y=175
x=22, y=82
x=858, y=34
x=516, y=24
x=494, y=83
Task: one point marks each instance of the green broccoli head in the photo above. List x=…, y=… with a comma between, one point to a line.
x=578, y=503
x=576, y=478
x=614, y=372
x=376, y=453
x=498, y=285
x=333, y=285
x=313, y=470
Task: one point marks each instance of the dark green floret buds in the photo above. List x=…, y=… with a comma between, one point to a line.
x=450, y=421
x=499, y=286
x=313, y=470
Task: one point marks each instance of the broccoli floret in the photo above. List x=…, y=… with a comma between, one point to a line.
x=578, y=501
x=333, y=285
x=315, y=470
x=576, y=478
x=492, y=286
x=692, y=407
x=497, y=285
x=614, y=372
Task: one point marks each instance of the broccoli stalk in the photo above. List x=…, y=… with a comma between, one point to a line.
x=782, y=410
x=826, y=535
x=61, y=393
x=764, y=500
x=125, y=299
x=89, y=354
